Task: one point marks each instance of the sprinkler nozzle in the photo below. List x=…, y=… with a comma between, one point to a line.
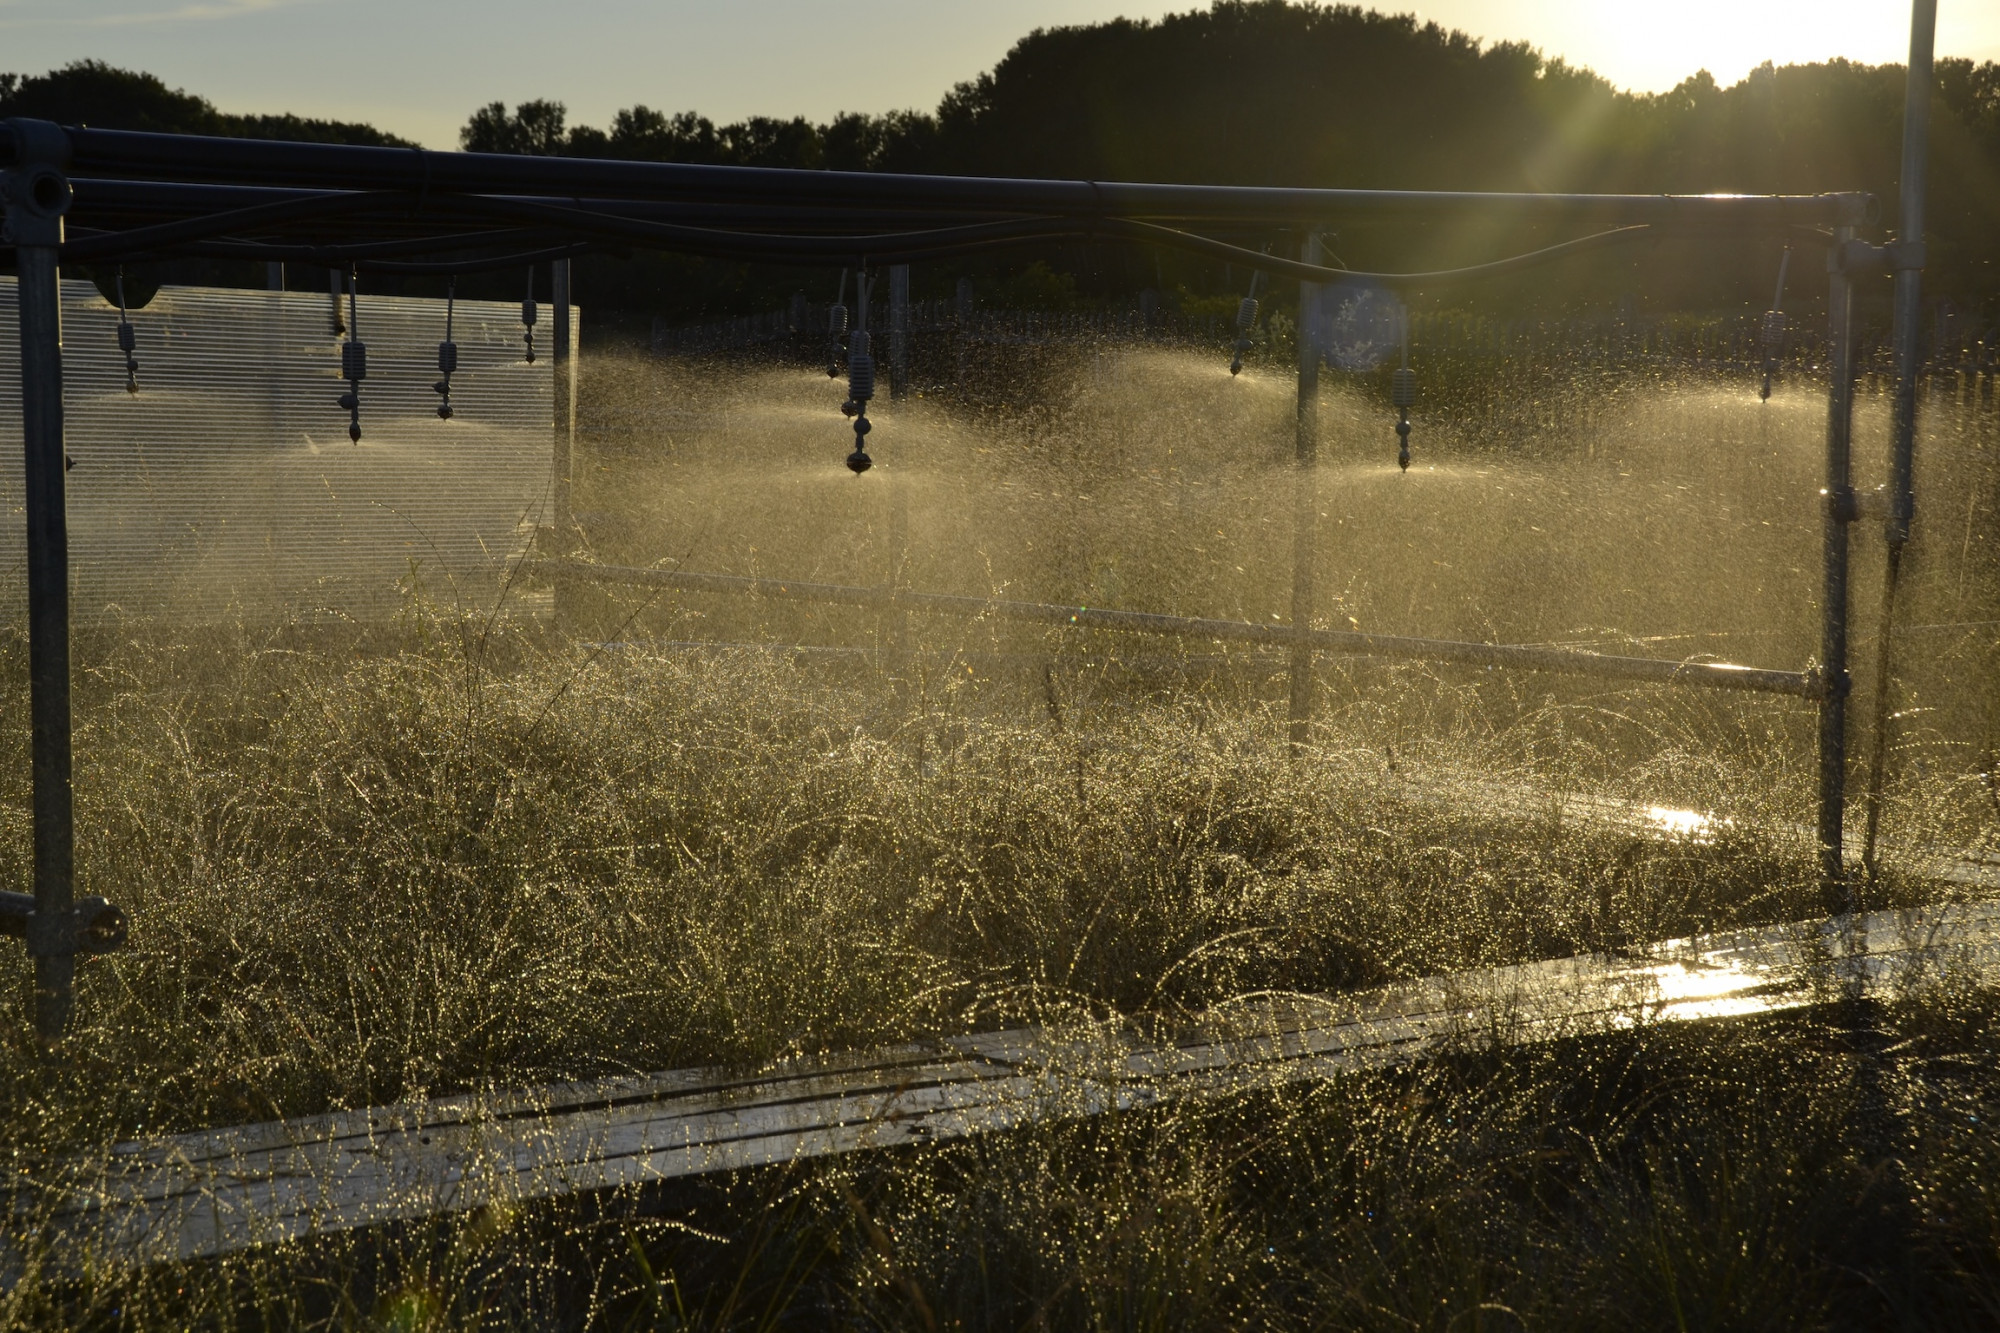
x=1246, y=319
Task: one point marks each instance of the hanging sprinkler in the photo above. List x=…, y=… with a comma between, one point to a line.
x=447, y=354
x=128, y=341
x=353, y=362
x=836, y=329
x=1403, y=393
x=1774, y=327
x=860, y=381
x=528, y=317
x=1246, y=320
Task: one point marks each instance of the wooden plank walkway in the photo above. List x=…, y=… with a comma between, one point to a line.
x=223, y=1190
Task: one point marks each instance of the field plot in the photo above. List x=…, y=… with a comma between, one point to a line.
x=456, y=854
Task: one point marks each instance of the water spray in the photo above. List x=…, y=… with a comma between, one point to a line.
x=1246, y=320
x=447, y=354
x=128, y=341
x=528, y=317
x=860, y=379
x=836, y=329
x=353, y=360
x=338, y=325
x=1403, y=393
x=1774, y=327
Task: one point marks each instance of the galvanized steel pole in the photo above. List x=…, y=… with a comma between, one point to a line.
x=565, y=403
x=897, y=623
x=1906, y=258
x=1840, y=512
x=899, y=330
x=37, y=195
x=1305, y=502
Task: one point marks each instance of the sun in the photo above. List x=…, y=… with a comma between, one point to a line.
x=1653, y=47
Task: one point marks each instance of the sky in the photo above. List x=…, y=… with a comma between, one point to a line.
x=419, y=67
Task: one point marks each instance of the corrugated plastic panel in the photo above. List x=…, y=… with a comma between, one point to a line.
x=227, y=487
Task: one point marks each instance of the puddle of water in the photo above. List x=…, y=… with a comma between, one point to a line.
x=1689, y=824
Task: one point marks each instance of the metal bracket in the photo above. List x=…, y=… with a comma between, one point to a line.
x=92, y=925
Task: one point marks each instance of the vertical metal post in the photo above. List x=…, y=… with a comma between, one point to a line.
x=1906, y=257
x=565, y=403
x=899, y=482
x=962, y=317
x=1840, y=511
x=1305, y=502
x=899, y=330
x=37, y=195
x=897, y=622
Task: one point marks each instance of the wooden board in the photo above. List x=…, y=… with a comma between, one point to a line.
x=222, y=1190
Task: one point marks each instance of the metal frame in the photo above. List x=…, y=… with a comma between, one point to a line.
x=386, y=208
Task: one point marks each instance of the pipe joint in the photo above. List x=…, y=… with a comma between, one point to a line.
x=35, y=199
x=35, y=189
x=25, y=142
x=1842, y=505
x=91, y=926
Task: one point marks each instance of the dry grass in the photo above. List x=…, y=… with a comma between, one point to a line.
x=450, y=853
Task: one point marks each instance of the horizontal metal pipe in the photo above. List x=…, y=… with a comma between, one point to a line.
x=202, y=234
x=113, y=205
x=1713, y=675
x=102, y=202
x=198, y=157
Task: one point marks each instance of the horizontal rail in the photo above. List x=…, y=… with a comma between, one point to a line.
x=1712, y=675
x=342, y=166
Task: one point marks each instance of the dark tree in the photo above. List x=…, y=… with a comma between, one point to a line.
x=91, y=92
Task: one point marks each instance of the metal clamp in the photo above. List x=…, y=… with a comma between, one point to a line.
x=1851, y=506
x=1824, y=684
x=1860, y=257
x=92, y=925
